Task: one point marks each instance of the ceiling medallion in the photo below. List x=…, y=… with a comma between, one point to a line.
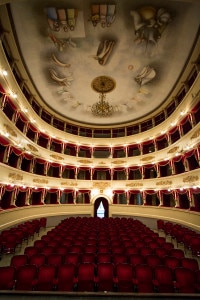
x=102, y=85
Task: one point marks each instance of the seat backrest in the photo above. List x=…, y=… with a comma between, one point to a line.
x=30, y=250
x=143, y=273
x=37, y=259
x=103, y=257
x=85, y=277
x=190, y=263
x=86, y=271
x=46, y=273
x=119, y=258
x=7, y=275
x=179, y=253
x=66, y=272
x=185, y=280
x=54, y=259
x=124, y=272
x=105, y=276
x=172, y=262
x=19, y=260
x=40, y=244
x=88, y=257
x=66, y=277
x=25, y=276
x=136, y=259
x=144, y=278
x=163, y=275
x=153, y=260
x=73, y=258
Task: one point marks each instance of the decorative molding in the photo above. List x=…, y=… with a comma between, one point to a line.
x=174, y=149
x=10, y=130
x=69, y=183
x=196, y=134
x=32, y=148
x=101, y=185
x=191, y=178
x=55, y=156
x=15, y=176
x=136, y=184
x=37, y=180
x=84, y=161
x=119, y=162
x=164, y=182
x=147, y=158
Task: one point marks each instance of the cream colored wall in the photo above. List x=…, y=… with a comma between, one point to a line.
x=11, y=217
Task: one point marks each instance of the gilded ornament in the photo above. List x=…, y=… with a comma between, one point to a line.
x=164, y=182
x=15, y=176
x=43, y=181
x=196, y=134
x=147, y=158
x=10, y=130
x=173, y=150
x=84, y=161
x=101, y=185
x=119, y=162
x=54, y=156
x=32, y=148
x=190, y=178
x=69, y=183
x=134, y=184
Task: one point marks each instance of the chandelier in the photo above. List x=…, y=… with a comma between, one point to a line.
x=102, y=108
x=102, y=85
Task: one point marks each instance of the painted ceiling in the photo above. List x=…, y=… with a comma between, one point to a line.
x=138, y=47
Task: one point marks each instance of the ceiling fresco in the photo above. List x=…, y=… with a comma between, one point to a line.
x=134, y=52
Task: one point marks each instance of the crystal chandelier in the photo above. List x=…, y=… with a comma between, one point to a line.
x=102, y=108
x=102, y=85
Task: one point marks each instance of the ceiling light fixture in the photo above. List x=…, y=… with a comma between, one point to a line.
x=102, y=85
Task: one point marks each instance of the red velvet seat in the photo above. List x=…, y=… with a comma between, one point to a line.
x=37, y=259
x=163, y=280
x=179, y=253
x=88, y=257
x=190, y=263
x=172, y=262
x=86, y=277
x=19, y=260
x=45, y=280
x=40, y=244
x=161, y=252
x=30, y=250
x=105, y=277
x=119, y=258
x=73, y=258
x=136, y=259
x=66, y=278
x=143, y=279
x=124, y=277
x=103, y=257
x=7, y=275
x=25, y=277
x=153, y=260
x=54, y=259
x=184, y=280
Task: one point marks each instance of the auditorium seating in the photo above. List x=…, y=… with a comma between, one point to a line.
x=95, y=255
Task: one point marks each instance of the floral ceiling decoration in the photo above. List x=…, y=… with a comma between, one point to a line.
x=66, y=44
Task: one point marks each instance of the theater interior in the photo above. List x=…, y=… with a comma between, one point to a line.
x=99, y=149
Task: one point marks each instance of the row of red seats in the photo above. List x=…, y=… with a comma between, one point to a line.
x=151, y=260
x=11, y=238
x=183, y=235
x=102, y=277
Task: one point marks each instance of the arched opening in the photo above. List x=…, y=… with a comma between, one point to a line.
x=101, y=207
